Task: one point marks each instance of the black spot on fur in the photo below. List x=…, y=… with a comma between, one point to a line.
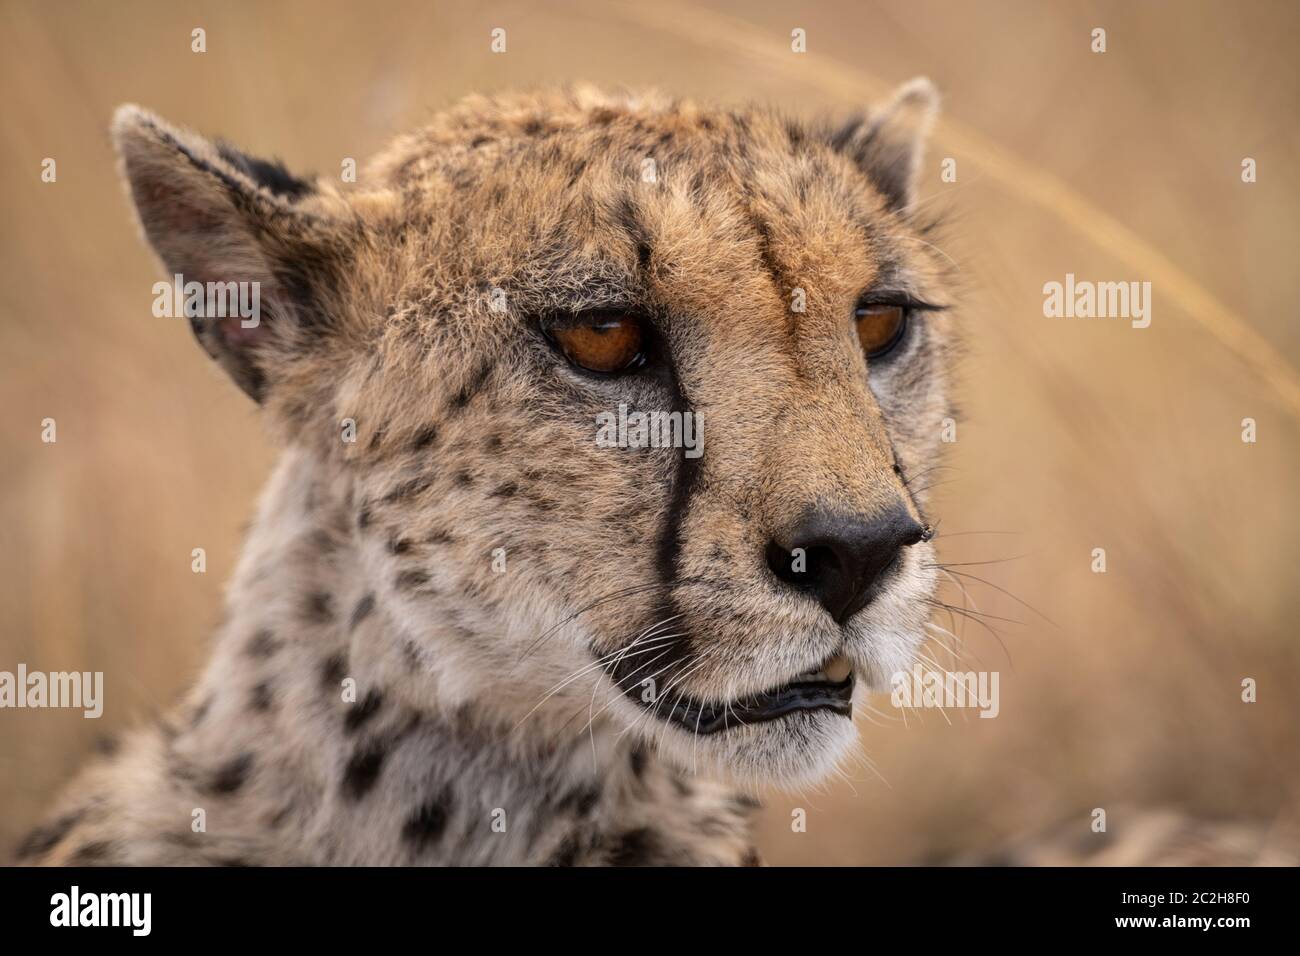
x=399, y=545
x=231, y=775
x=358, y=714
x=411, y=654
x=638, y=762
x=45, y=838
x=424, y=438
x=331, y=672
x=261, y=697
x=427, y=824
x=363, y=518
x=471, y=387
x=362, y=771
x=581, y=801
x=318, y=608
x=94, y=853
x=408, y=488
x=634, y=848
x=409, y=580
x=566, y=854
x=362, y=610
x=505, y=491
x=263, y=644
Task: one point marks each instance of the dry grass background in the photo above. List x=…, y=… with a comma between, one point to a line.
x=1122, y=166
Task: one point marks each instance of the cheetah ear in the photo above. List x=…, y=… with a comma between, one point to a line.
x=889, y=143
x=214, y=215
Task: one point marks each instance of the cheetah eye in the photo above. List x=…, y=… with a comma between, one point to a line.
x=605, y=341
x=880, y=327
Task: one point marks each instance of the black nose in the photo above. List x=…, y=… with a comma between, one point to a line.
x=843, y=559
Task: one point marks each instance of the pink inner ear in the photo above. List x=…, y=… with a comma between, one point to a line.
x=237, y=336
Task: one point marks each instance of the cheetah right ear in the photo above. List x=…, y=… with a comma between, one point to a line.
x=889, y=143
x=216, y=216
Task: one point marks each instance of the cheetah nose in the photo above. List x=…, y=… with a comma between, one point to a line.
x=843, y=560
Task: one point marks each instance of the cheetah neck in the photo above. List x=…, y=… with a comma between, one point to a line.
x=312, y=721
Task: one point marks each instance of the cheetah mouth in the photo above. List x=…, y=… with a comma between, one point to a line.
x=828, y=687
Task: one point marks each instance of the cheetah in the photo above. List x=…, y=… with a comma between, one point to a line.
x=462, y=631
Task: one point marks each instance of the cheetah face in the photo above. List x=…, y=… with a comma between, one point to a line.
x=639, y=391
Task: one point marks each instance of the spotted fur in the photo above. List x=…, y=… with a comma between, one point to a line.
x=381, y=692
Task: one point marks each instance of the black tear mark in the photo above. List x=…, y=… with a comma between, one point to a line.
x=362, y=712
x=363, y=770
x=231, y=775
x=362, y=611
x=427, y=824
x=671, y=536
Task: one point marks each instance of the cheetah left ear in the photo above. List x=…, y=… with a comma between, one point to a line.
x=889, y=143
x=223, y=219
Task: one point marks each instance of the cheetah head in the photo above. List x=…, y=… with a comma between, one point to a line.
x=620, y=399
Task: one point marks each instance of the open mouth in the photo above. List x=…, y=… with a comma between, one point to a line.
x=828, y=687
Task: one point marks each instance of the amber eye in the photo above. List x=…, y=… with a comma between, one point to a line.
x=879, y=327
x=605, y=342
